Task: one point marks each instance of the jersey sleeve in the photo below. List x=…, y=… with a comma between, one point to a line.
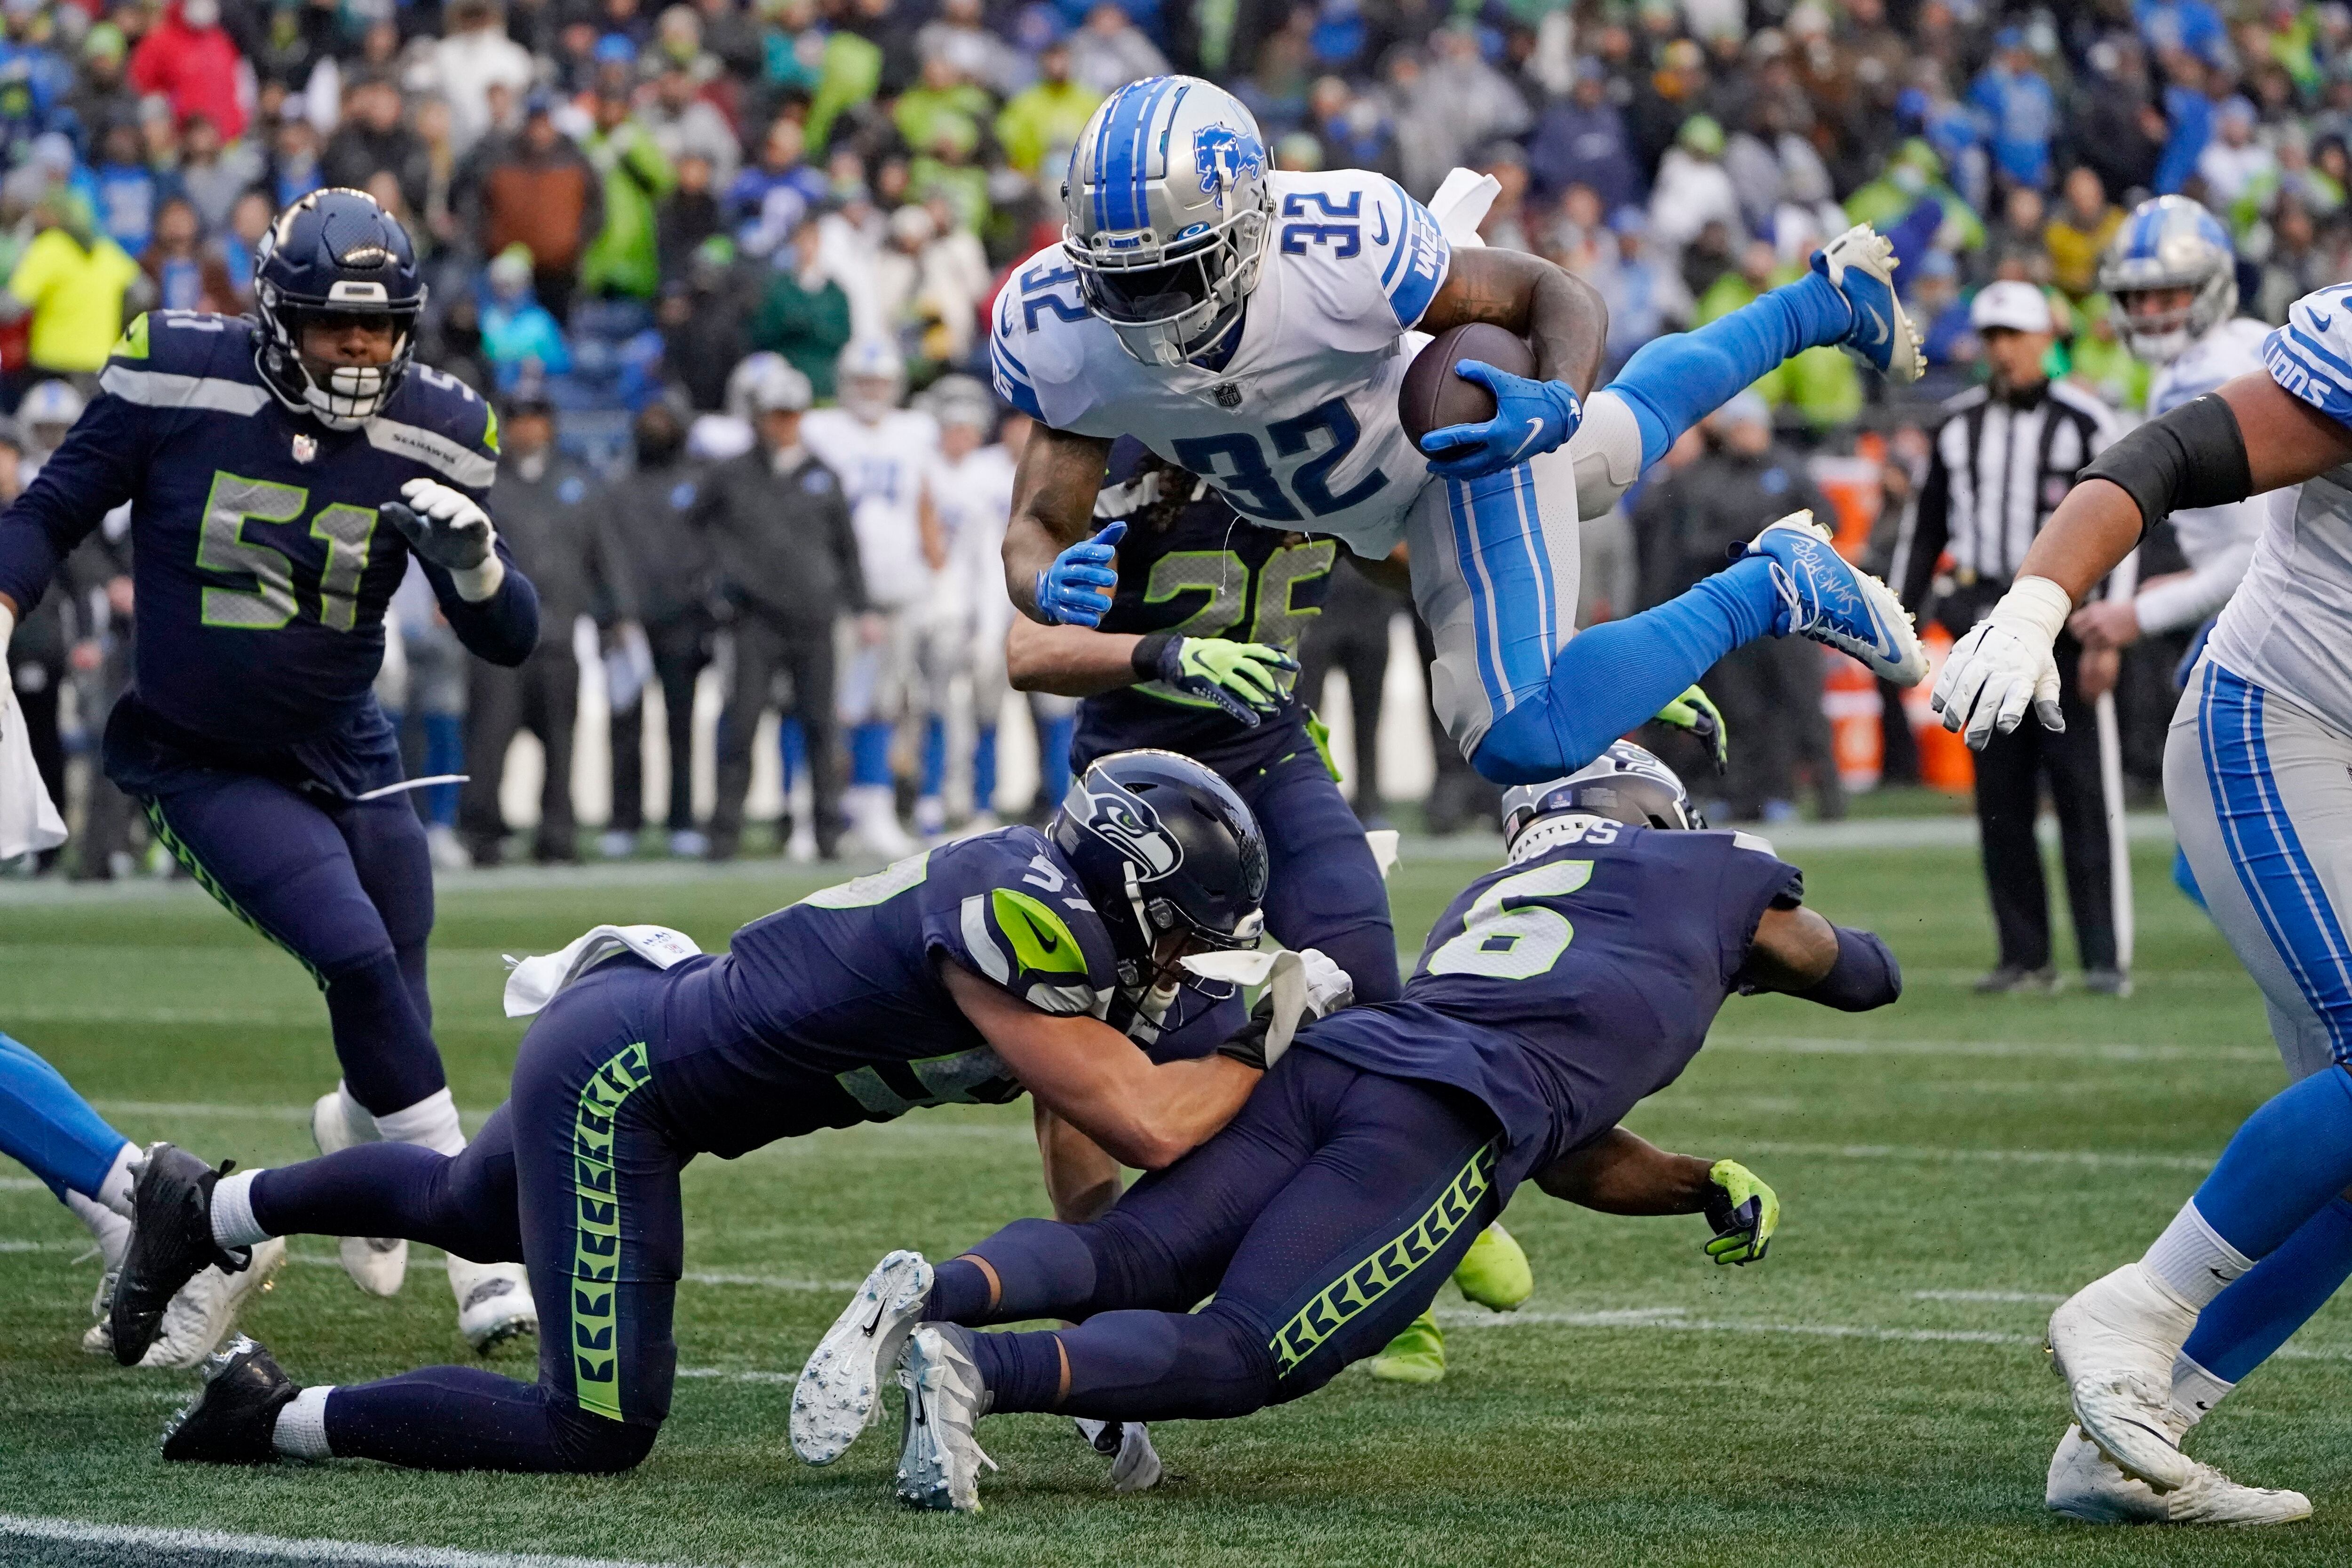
x=445, y=427
x=2311, y=356
x=1036, y=348
x=1021, y=923
x=1754, y=881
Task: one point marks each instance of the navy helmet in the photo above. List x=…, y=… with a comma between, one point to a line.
x=1624, y=783
x=335, y=253
x=1162, y=844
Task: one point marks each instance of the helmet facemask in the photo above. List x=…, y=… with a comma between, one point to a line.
x=1167, y=303
x=340, y=396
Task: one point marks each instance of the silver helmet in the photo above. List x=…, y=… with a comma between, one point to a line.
x=1169, y=213
x=2168, y=243
x=1624, y=783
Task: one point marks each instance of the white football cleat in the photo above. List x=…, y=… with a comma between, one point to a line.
x=376, y=1263
x=199, y=1319
x=939, y=1458
x=1860, y=265
x=2114, y=1341
x=1134, y=1463
x=2085, y=1484
x=494, y=1302
x=840, y=1388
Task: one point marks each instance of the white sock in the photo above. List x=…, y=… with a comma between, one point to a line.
x=115, y=1190
x=2191, y=1258
x=431, y=1122
x=2194, y=1391
x=108, y=1229
x=232, y=1222
x=302, y=1429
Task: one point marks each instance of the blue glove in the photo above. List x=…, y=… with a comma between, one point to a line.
x=1075, y=590
x=1530, y=416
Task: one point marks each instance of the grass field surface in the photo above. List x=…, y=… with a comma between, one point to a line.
x=1873, y=1393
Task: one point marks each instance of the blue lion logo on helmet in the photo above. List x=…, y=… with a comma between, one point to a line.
x=1224, y=154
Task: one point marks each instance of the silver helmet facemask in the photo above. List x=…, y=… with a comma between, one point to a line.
x=2167, y=244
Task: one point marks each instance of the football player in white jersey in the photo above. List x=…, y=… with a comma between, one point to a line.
x=883, y=453
x=2174, y=278
x=2258, y=778
x=970, y=487
x=1255, y=327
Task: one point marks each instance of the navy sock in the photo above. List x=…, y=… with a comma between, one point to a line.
x=51, y=1129
x=1022, y=1371
x=2291, y=1157
x=1044, y=1269
x=1673, y=382
x=1137, y=1366
x=1612, y=677
x=2255, y=1315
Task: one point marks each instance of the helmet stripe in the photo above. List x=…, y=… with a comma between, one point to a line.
x=1120, y=178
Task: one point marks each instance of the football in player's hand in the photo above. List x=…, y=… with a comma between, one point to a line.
x=1433, y=397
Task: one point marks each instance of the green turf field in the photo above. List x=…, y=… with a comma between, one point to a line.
x=1873, y=1394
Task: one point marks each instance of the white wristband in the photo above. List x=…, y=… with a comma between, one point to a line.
x=476, y=583
x=2038, y=603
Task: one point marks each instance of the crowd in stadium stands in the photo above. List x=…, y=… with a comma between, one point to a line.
x=617, y=202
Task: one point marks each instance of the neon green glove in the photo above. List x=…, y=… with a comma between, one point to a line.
x=1245, y=679
x=1696, y=711
x=1743, y=1211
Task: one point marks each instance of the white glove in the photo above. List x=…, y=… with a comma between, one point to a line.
x=2004, y=665
x=449, y=528
x=1329, y=986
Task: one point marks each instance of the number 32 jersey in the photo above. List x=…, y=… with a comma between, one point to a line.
x=1300, y=428
x=261, y=565
x=1564, y=988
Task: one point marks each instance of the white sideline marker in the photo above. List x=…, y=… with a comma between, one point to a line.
x=223, y=1544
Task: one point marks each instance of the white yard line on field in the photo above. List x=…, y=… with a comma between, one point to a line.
x=22, y=1184
x=2093, y=1158
x=728, y=1374
x=1828, y=1045
x=278, y=1548
x=773, y=1282
x=2036, y=1297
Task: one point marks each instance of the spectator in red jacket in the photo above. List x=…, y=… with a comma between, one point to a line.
x=189, y=59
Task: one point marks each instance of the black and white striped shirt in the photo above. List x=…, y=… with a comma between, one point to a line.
x=2000, y=466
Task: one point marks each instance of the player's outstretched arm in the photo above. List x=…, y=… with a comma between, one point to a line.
x=1094, y=1078
x=1054, y=494
x=2249, y=437
x=1245, y=679
x=1797, y=952
x=1621, y=1172
x=1557, y=311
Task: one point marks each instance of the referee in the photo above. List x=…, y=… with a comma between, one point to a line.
x=2003, y=458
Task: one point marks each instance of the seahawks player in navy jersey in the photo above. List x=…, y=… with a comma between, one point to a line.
x=968, y=973
x=1554, y=994
x=260, y=457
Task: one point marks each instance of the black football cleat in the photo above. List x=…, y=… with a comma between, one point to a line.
x=171, y=1243
x=232, y=1420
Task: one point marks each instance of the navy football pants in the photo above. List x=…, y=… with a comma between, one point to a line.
x=1323, y=1219
x=344, y=886
x=575, y=1176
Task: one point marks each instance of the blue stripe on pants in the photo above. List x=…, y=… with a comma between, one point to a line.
x=2278, y=876
x=1498, y=543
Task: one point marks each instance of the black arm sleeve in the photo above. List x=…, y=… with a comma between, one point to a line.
x=2193, y=456
x=1865, y=975
x=502, y=628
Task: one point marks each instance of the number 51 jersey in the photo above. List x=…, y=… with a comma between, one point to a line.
x=261, y=565
x=1300, y=428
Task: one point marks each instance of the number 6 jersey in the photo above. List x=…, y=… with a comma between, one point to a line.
x=261, y=565
x=1300, y=428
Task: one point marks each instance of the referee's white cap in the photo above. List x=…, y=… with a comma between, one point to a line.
x=2019, y=306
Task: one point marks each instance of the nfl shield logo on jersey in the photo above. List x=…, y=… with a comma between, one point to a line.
x=1222, y=154
x=1228, y=395
x=305, y=449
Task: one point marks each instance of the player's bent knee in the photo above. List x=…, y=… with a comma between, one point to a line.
x=590, y=1445
x=1522, y=747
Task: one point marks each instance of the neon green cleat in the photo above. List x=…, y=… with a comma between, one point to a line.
x=1416, y=1356
x=1495, y=1273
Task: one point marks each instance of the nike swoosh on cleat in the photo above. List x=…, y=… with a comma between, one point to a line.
x=1878, y=322
x=875, y=1321
x=1535, y=434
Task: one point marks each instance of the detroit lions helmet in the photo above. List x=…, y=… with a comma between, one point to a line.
x=1624, y=783
x=2170, y=242
x=870, y=377
x=1169, y=213
x=1162, y=844
x=335, y=253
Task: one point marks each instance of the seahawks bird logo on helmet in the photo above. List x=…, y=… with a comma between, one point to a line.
x=332, y=256
x=1162, y=844
x=1625, y=783
x=1169, y=215
x=2169, y=247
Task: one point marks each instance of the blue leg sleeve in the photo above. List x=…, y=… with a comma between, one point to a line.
x=869, y=753
x=2289, y=1160
x=935, y=755
x=445, y=753
x=792, y=743
x=983, y=768
x=2250, y=1318
x=1672, y=382
x=1612, y=677
x=48, y=1127
x=1054, y=736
